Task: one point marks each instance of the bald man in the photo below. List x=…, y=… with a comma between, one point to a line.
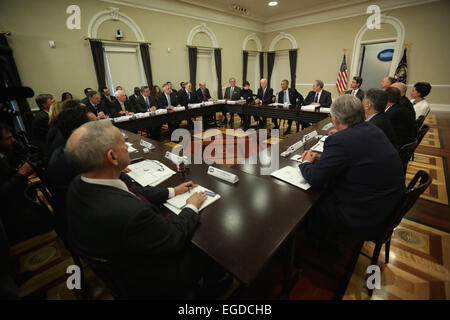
x=404, y=101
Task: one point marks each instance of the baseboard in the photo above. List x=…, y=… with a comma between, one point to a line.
x=440, y=107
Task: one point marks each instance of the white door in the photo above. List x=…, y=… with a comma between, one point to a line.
x=281, y=71
x=206, y=70
x=375, y=63
x=253, y=71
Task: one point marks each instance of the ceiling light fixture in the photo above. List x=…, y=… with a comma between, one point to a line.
x=272, y=3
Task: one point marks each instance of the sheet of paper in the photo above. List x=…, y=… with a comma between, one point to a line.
x=309, y=108
x=292, y=175
x=297, y=157
x=177, y=203
x=324, y=110
x=319, y=145
x=149, y=172
x=130, y=147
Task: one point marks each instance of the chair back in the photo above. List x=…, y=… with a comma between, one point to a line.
x=415, y=188
x=31, y=195
x=406, y=153
x=419, y=122
x=421, y=133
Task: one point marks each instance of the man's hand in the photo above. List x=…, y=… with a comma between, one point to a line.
x=25, y=169
x=257, y=101
x=101, y=115
x=211, y=99
x=184, y=187
x=197, y=199
x=122, y=112
x=126, y=170
x=169, y=108
x=311, y=156
x=315, y=104
x=332, y=131
x=153, y=108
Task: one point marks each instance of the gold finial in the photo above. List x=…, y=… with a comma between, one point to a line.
x=406, y=44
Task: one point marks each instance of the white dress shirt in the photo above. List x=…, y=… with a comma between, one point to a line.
x=318, y=96
x=119, y=184
x=286, y=97
x=422, y=108
x=169, y=103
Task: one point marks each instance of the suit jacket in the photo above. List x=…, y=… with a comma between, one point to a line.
x=403, y=123
x=382, y=121
x=200, y=95
x=267, y=99
x=247, y=95
x=116, y=108
x=108, y=102
x=163, y=103
x=147, y=249
x=325, y=99
x=295, y=98
x=359, y=94
x=405, y=103
x=39, y=129
x=183, y=98
x=100, y=107
x=132, y=98
x=363, y=190
x=236, y=93
x=140, y=105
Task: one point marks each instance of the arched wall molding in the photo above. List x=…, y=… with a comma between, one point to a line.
x=205, y=29
x=115, y=15
x=399, y=28
x=280, y=36
x=255, y=38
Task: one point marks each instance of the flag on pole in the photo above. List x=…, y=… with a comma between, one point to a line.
x=401, y=72
x=341, y=82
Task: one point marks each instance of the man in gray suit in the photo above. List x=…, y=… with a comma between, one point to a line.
x=231, y=93
x=355, y=88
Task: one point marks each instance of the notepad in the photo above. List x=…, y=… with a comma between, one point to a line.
x=149, y=172
x=319, y=145
x=177, y=203
x=297, y=157
x=292, y=175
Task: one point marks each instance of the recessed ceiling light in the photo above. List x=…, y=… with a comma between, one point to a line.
x=273, y=3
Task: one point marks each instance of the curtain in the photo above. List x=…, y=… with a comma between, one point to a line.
x=9, y=77
x=99, y=62
x=293, y=66
x=244, y=66
x=145, y=54
x=270, y=63
x=218, y=59
x=261, y=65
x=192, y=66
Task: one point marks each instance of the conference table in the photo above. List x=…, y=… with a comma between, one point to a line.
x=254, y=218
x=258, y=110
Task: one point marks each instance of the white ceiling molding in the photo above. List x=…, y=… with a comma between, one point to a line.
x=253, y=37
x=399, y=28
x=190, y=11
x=115, y=15
x=280, y=36
x=202, y=28
x=310, y=18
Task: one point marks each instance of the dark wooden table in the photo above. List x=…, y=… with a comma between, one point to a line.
x=253, y=219
x=291, y=113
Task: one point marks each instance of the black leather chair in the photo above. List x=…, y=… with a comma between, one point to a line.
x=419, y=122
x=415, y=188
x=420, y=135
x=406, y=153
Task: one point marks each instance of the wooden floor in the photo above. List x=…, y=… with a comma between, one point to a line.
x=419, y=266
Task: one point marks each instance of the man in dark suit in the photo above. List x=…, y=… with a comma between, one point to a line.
x=150, y=253
x=137, y=93
x=86, y=99
x=186, y=96
x=232, y=93
x=106, y=97
x=96, y=105
x=404, y=101
x=263, y=96
x=171, y=87
x=402, y=121
x=355, y=88
x=203, y=96
x=362, y=172
x=290, y=96
x=318, y=97
x=374, y=103
x=121, y=106
x=39, y=125
x=168, y=100
x=145, y=102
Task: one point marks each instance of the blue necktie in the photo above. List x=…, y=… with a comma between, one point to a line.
x=316, y=97
x=264, y=92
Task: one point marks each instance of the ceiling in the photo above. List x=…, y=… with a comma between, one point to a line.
x=259, y=10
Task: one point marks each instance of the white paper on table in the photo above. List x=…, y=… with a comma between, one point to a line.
x=309, y=108
x=297, y=157
x=328, y=126
x=222, y=174
x=231, y=102
x=319, y=145
x=324, y=110
x=221, y=101
x=210, y=103
x=122, y=119
x=292, y=175
x=276, y=104
x=161, y=111
x=142, y=115
x=130, y=147
x=177, y=203
x=194, y=105
x=149, y=172
x=179, y=108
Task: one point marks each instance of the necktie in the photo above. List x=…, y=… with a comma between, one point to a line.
x=354, y=92
x=286, y=96
x=189, y=96
x=264, y=92
x=168, y=100
x=137, y=194
x=123, y=106
x=204, y=95
x=316, y=98
x=231, y=92
x=146, y=102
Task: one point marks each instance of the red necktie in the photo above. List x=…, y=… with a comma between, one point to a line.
x=204, y=95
